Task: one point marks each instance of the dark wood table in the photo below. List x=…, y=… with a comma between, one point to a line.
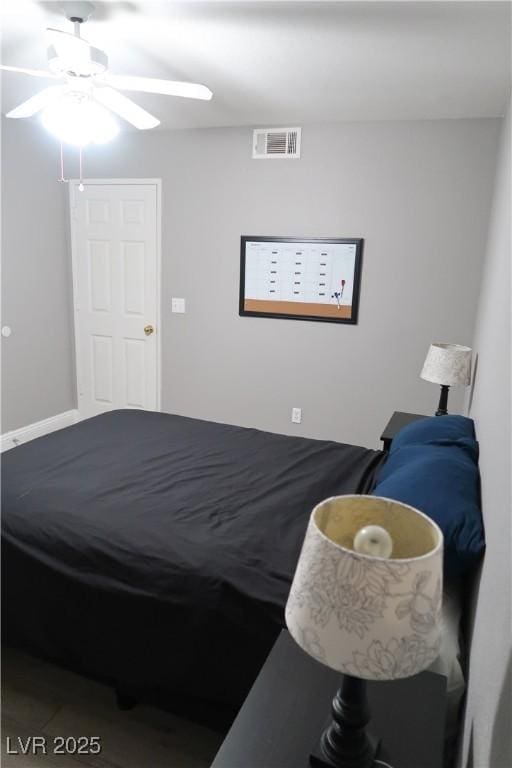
x=398, y=420
x=288, y=707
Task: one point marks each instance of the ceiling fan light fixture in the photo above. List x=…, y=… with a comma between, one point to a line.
x=79, y=120
x=80, y=110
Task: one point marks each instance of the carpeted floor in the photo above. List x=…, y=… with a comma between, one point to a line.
x=40, y=699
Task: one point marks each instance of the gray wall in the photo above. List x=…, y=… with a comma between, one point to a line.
x=487, y=733
x=418, y=192
x=37, y=374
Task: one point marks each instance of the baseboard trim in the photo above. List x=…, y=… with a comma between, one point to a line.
x=39, y=428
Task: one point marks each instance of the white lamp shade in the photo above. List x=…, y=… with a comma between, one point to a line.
x=367, y=616
x=448, y=364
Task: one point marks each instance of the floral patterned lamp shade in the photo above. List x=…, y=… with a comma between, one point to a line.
x=368, y=616
x=448, y=364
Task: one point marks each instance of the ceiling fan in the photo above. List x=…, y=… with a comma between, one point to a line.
x=89, y=87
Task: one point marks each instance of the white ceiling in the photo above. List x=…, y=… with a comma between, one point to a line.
x=287, y=62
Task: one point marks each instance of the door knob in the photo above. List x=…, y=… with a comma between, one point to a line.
x=148, y=330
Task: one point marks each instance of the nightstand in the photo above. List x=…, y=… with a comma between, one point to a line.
x=288, y=707
x=398, y=420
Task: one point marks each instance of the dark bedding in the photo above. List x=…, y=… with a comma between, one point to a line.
x=156, y=551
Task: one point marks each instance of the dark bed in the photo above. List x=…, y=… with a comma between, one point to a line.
x=155, y=552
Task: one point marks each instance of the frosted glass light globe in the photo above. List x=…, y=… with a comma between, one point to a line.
x=77, y=119
x=373, y=540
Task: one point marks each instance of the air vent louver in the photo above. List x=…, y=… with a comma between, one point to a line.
x=271, y=143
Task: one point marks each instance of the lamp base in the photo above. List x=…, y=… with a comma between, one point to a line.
x=345, y=742
x=364, y=758
x=442, y=408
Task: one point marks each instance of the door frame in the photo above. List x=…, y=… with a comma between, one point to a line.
x=73, y=191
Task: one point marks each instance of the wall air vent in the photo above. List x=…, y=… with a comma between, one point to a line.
x=269, y=143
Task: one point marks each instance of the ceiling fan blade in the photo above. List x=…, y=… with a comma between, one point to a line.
x=154, y=85
x=125, y=108
x=69, y=48
x=37, y=102
x=25, y=71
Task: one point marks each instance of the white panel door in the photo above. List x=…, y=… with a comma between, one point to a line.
x=116, y=285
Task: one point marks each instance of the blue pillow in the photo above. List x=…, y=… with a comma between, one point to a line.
x=444, y=483
x=439, y=430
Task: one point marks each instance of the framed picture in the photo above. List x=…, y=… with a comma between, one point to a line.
x=300, y=279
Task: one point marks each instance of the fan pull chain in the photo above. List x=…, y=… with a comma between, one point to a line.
x=62, y=178
x=81, y=185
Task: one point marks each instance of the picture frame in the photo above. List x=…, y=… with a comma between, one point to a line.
x=296, y=278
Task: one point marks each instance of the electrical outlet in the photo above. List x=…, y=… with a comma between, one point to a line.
x=296, y=415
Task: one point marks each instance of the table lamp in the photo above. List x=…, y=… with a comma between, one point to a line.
x=366, y=601
x=448, y=365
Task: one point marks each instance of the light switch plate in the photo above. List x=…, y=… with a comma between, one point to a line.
x=178, y=305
